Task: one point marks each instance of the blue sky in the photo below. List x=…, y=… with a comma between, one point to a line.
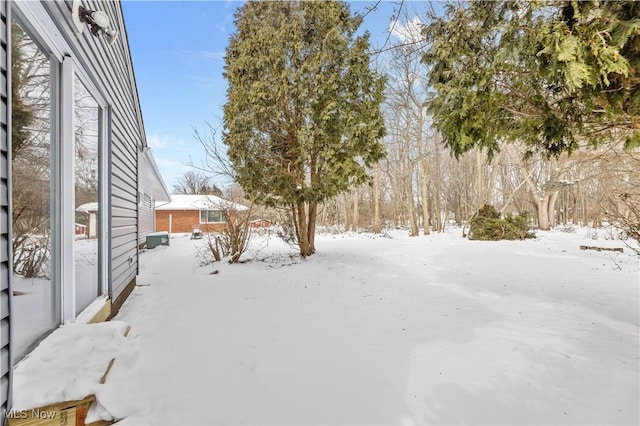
x=177, y=49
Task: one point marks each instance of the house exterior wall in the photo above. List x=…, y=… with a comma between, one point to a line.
x=184, y=221
x=260, y=223
x=146, y=219
x=110, y=69
x=151, y=188
x=108, y=72
x=5, y=167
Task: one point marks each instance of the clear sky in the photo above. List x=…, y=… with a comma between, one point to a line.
x=177, y=49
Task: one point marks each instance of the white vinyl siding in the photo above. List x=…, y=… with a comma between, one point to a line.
x=109, y=68
x=106, y=72
x=146, y=220
x=5, y=167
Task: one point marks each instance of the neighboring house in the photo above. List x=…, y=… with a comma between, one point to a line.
x=188, y=212
x=73, y=160
x=90, y=226
x=151, y=190
x=260, y=223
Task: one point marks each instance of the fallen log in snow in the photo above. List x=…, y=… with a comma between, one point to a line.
x=618, y=249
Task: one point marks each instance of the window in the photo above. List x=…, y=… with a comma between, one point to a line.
x=211, y=216
x=59, y=193
x=36, y=291
x=88, y=208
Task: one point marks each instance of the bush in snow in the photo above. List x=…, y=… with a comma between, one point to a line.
x=232, y=241
x=487, y=224
x=32, y=255
x=623, y=212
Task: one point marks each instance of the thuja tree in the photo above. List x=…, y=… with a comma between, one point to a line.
x=302, y=120
x=555, y=75
x=488, y=225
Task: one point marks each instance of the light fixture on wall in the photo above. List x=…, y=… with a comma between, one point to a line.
x=97, y=21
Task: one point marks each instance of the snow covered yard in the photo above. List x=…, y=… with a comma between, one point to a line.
x=423, y=330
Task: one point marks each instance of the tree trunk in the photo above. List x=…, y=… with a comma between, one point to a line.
x=305, y=217
x=303, y=240
x=423, y=181
x=481, y=199
x=377, y=224
x=553, y=198
x=412, y=213
x=425, y=203
x=306, y=228
x=410, y=200
x=542, y=211
x=356, y=214
x=345, y=212
x=438, y=183
x=311, y=228
x=545, y=208
x=294, y=221
x=459, y=216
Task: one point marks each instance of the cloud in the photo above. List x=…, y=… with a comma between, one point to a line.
x=154, y=141
x=212, y=55
x=163, y=141
x=407, y=32
x=172, y=165
x=203, y=55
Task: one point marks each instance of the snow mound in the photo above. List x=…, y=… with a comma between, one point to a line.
x=69, y=364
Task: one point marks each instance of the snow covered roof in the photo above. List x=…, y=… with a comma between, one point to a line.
x=88, y=207
x=198, y=202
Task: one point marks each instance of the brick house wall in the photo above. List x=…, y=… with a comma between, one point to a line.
x=184, y=221
x=260, y=223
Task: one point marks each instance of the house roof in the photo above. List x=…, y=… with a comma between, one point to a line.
x=150, y=180
x=87, y=207
x=198, y=202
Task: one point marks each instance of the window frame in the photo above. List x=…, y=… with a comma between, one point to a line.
x=36, y=30
x=208, y=212
x=64, y=66
x=78, y=73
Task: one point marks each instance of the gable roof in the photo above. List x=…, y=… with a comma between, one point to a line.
x=198, y=202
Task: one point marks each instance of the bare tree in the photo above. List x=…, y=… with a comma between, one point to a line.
x=195, y=183
x=31, y=154
x=235, y=237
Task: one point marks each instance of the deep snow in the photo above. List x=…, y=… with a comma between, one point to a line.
x=383, y=330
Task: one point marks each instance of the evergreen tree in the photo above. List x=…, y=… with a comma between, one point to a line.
x=302, y=120
x=557, y=75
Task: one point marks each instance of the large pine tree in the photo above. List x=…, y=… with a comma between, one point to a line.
x=302, y=121
x=556, y=75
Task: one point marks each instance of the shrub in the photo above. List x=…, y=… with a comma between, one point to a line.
x=623, y=211
x=232, y=241
x=487, y=225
